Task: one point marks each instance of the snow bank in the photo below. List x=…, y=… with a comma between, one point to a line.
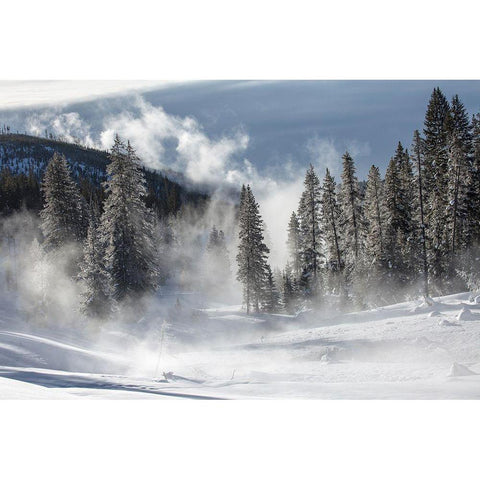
x=466, y=314
x=459, y=370
x=445, y=323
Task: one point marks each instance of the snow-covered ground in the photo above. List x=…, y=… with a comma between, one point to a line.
x=404, y=351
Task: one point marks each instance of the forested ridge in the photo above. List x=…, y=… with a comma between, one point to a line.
x=23, y=159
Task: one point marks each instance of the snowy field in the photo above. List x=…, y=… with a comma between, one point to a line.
x=405, y=351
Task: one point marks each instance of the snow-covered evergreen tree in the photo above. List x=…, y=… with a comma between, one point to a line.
x=310, y=232
x=352, y=226
x=252, y=251
x=96, y=300
x=374, y=210
x=271, y=295
x=127, y=227
x=418, y=160
x=461, y=189
x=330, y=219
x=474, y=214
x=401, y=239
x=64, y=215
x=435, y=148
x=289, y=291
x=294, y=245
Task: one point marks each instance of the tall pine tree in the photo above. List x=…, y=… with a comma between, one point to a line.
x=374, y=211
x=64, y=215
x=310, y=232
x=436, y=181
x=252, y=251
x=127, y=227
x=294, y=245
x=351, y=213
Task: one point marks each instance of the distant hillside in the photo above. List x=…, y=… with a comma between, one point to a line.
x=23, y=159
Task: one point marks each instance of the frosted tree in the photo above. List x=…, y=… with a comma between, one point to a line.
x=435, y=148
x=460, y=181
x=64, y=215
x=252, y=251
x=289, y=292
x=474, y=214
x=310, y=232
x=96, y=300
x=127, y=227
x=418, y=158
x=271, y=295
x=401, y=232
x=374, y=211
x=294, y=245
x=330, y=219
x=351, y=213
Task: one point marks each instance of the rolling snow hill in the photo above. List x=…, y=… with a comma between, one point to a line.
x=411, y=350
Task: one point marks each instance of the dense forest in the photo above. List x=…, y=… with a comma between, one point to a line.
x=351, y=244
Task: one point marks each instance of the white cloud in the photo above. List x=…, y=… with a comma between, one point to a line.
x=200, y=158
x=180, y=143
x=324, y=154
x=28, y=93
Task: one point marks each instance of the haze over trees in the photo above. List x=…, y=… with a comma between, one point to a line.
x=350, y=243
x=414, y=232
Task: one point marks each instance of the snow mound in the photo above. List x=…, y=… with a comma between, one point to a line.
x=434, y=313
x=466, y=314
x=459, y=370
x=445, y=323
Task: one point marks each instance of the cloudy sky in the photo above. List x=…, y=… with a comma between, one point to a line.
x=285, y=124
x=226, y=133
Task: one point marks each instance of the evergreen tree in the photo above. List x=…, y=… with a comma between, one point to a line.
x=127, y=227
x=64, y=215
x=461, y=190
x=419, y=162
x=310, y=233
x=289, y=293
x=393, y=222
x=435, y=148
x=375, y=225
x=96, y=300
x=252, y=251
x=294, y=245
x=271, y=296
x=474, y=213
x=351, y=213
x=401, y=240
x=409, y=205
x=330, y=219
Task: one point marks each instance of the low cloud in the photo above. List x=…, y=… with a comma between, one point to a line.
x=154, y=132
x=165, y=141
